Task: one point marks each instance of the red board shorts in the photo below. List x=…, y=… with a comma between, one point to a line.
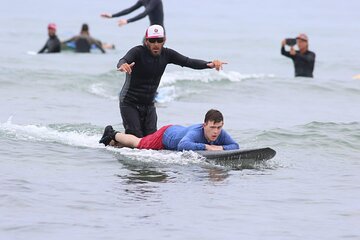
x=154, y=140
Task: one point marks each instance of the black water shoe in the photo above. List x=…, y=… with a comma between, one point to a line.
x=109, y=134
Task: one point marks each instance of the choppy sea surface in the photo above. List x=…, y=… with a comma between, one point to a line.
x=57, y=182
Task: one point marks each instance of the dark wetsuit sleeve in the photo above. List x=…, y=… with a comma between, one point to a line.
x=128, y=10
x=97, y=43
x=129, y=57
x=71, y=39
x=286, y=53
x=43, y=49
x=178, y=59
x=148, y=8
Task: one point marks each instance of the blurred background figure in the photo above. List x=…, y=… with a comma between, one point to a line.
x=304, y=60
x=52, y=45
x=83, y=41
x=356, y=76
x=153, y=9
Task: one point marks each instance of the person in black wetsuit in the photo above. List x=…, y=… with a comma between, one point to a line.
x=144, y=65
x=153, y=8
x=304, y=60
x=83, y=41
x=52, y=45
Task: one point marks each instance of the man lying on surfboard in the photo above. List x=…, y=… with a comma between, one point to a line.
x=206, y=136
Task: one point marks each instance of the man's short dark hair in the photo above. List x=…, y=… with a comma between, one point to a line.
x=213, y=115
x=85, y=27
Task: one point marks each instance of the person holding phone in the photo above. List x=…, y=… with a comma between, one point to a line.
x=144, y=66
x=304, y=59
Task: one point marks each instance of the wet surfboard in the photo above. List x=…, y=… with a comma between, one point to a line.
x=238, y=158
x=71, y=46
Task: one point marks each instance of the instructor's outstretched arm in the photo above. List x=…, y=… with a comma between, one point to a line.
x=123, y=12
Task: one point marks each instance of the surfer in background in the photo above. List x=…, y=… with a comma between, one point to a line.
x=304, y=60
x=153, y=9
x=83, y=41
x=206, y=136
x=52, y=45
x=144, y=66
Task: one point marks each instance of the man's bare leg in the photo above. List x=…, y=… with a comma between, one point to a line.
x=118, y=139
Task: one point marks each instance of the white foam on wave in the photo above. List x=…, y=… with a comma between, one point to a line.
x=46, y=134
x=99, y=89
x=209, y=76
x=155, y=156
x=169, y=90
x=37, y=133
x=166, y=94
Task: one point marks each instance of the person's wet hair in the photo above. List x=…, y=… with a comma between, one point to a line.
x=85, y=27
x=213, y=115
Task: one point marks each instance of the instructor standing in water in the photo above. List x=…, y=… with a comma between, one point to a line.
x=144, y=66
x=153, y=8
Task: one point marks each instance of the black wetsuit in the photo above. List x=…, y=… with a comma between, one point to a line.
x=303, y=63
x=52, y=45
x=138, y=93
x=153, y=8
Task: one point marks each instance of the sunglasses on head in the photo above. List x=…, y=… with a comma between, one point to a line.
x=158, y=40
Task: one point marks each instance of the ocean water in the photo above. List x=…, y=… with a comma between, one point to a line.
x=57, y=182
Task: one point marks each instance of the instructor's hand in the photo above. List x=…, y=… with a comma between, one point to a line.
x=125, y=67
x=217, y=64
x=106, y=15
x=122, y=22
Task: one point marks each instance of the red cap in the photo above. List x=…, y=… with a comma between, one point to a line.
x=52, y=26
